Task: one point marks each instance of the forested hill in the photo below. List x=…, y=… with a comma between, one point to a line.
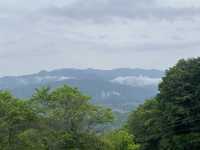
x=120, y=89
x=64, y=118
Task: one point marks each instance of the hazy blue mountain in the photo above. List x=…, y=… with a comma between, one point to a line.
x=120, y=89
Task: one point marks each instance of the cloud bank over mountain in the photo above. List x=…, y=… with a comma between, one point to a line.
x=121, y=89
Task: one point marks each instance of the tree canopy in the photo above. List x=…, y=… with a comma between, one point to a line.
x=53, y=120
x=171, y=120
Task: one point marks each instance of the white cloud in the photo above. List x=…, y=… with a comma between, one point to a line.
x=40, y=79
x=106, y=94
x=137, y=81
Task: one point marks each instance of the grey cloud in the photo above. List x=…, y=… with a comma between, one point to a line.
x=82, y=33
x=106, y=10
x=181, y=45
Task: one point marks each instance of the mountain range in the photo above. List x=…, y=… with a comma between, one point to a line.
x=120, y=89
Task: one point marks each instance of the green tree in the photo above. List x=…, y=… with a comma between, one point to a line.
x=121, y=140
x=52, y=120
x=180, y=103
x=16, y=117
x=67, y=111
x=172, y=120
x=144, y=123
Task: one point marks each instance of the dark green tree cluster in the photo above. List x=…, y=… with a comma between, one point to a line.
x=171, y=120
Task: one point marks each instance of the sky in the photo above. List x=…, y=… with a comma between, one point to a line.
x=102, y=34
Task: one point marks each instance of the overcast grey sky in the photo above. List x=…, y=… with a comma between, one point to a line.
x=49, y=34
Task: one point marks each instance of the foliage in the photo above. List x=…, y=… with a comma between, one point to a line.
x=144, y=123
x=180, y=103
x=121, y=140
x=16, y=117
x=171, y=121
x=52, y=120
x=64, y=118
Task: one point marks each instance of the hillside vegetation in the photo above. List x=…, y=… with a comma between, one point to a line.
x=65, y=119
x=62, y=119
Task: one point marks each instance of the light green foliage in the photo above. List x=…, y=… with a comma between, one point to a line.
x=52, y=120
x=121, y=140
x=16, y=117
x=66, y=108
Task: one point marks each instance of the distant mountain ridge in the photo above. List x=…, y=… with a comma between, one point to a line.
x=118, y=88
